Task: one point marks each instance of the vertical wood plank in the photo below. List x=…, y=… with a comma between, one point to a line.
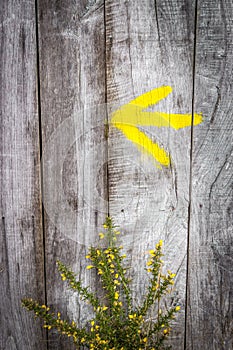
x=209, y=322
x=72, y=77
x=150, y=44
x=21, y=258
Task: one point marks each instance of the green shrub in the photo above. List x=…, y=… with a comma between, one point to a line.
x=118, y=324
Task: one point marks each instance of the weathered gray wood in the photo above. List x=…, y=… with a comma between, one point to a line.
x=21, y=258
x=72, y=76
x=147, y=44
x=209, y=322
x=150, y=44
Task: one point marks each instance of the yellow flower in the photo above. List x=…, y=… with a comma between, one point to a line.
x=155, y=287
x=145, y=339
x=90, y=267
x=101, y=235
x=116, y=296
x=159, y=245
x=166, y=331
x=97, y=336
x=47, y=326
x=177, y=308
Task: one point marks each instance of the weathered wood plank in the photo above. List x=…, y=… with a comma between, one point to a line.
x=150, y=44
x=21, y=258
x=72, y=75
x=209, y=322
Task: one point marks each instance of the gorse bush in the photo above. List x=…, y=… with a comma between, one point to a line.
x=118, y=324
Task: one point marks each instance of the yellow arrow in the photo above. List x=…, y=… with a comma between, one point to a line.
x=133, y=114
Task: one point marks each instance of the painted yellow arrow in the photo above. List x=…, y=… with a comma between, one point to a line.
x=131, y=115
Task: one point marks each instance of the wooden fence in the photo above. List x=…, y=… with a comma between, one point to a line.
x=162, y=171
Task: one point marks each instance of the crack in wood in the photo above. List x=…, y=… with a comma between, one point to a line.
x=157, y=20
x=216, y=105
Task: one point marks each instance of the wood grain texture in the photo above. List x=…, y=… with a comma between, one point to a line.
x=72, y=76
x=150, y=44
x=93, y=52
x=21, y=258
x=209, y=322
